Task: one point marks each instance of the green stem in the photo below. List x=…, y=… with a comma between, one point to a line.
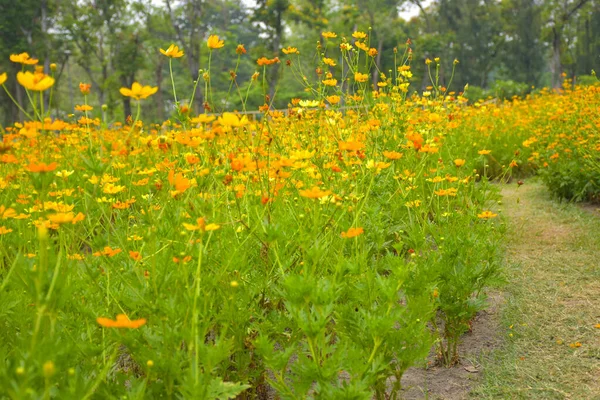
x=173, y=81
x=16, y=103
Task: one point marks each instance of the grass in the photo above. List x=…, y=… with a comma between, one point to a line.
x=552, y=346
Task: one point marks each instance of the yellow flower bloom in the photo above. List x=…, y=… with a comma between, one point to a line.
x=83, y=107
x=214, y=42
x=138, y=91
x=290, y=50
x=329, y=61
x=172, y=52
x=37, y=82
x=230, y=119
x=359, y=35
x=358, y=77
x=2, y=78
x=487, y=215
x=333, y=99
x=314, y=193
x=23, y=58
x=329, y=35
x=330, y=82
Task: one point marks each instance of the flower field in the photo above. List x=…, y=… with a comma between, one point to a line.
x=313, y=252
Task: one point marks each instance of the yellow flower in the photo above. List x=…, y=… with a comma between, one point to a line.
x=308, y=103
x=329, y=35
x=314, y=193
x=138, y=91
x=459, y=162
x=484, y=152
x=65, y=218
x=358, y=77
x=330, y=82
x=2, y=78
x=83, y=107
x=333, y=99
x=37, y=82
x=23, y=58
x=110, y=188
x=362, y=46
x=329, y=61
x=359, y=35
x=230, y=119
x=487, y=215
x=290, y=50
x=4, y=230
x=172, y=52
x=64, y=173
x=213, y=42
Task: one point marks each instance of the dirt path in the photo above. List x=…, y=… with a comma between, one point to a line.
x=552, y=309
x=539, y=339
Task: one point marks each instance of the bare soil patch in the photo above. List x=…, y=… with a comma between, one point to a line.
x=438, y=382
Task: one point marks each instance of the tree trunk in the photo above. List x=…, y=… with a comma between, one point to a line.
x=556, y=65
x=160, y=104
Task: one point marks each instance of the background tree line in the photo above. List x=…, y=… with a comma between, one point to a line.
x=504, y=46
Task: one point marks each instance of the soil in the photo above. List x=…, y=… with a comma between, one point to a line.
x=439, y=382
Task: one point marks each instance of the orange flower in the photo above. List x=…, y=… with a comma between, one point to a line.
x=172, y=52
x=180, y=182
x=314, y=193
x=121, y=322
x=214, y=42
x=135, y=255
x=266, y=61
x=330, y=82
x=138, y=91
x=41, y=167
x=240, y=49
x=446, y=192
x=392, y=155
x=352, y=232
x=484, y=152
x=4, y=230
x=7, y=212
x=459, y=162
x=85, y=88
x=107, y=251
x=23, y=58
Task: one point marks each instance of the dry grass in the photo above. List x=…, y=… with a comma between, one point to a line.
x=553, y=303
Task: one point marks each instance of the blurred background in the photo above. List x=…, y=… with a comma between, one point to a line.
x=505, y=47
